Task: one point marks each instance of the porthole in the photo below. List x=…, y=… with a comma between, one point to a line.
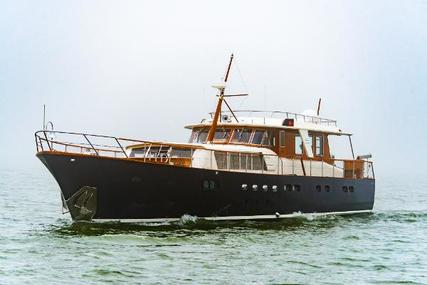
x=351, y=189
x=297, y=188
x=254, y=187
x=244, y=187
x=274, y=188
x=288, y=187
x=265, y=188
x=208, y=185
x=327, y=188
x=345, y=188
x=318, y=188
x=205, y=185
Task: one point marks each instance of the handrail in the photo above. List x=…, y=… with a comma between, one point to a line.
x=287, y=115
x=186, y=155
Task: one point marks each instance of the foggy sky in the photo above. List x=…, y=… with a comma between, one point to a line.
x=143, y=69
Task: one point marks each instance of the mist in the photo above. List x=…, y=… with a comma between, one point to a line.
x=143, y=69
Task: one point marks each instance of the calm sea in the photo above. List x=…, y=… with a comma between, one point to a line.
x=39, y=245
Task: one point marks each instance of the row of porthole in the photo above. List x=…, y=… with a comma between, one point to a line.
x=274, y=188
x=348, y=188
x=327, y=188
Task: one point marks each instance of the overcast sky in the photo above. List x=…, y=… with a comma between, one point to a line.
x=143, y=69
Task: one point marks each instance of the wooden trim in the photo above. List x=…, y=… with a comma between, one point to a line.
x=133, y=159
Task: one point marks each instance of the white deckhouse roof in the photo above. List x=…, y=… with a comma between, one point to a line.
x=274, y=119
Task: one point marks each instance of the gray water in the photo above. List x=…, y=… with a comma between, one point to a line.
x=39, y=245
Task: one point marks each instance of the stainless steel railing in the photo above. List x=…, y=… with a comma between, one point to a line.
x=196, y=156
x=281, y=115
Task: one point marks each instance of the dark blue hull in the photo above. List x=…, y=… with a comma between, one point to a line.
x=127, y=189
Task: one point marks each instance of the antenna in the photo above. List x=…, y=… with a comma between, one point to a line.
x=44, y=116
x=318, y=106
x=45, y=125
x=221, y=89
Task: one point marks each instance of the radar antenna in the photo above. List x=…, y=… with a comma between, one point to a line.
x=221, y=97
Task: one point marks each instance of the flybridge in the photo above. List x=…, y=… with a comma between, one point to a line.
x=272, y=119
x=268, y=115
x=269, y=119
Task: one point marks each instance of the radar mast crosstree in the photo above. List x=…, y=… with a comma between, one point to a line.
x=221, y=98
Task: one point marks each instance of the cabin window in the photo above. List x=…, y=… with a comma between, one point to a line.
x=319, y=145
x=221, y=134
x=241, y=135
x=243, y=161
x=202, y=136
x=282, y=138
x=138, y=152
x=298, y=145
x=239, y=161
x=256, y=163
x=221, y=159
x=234, y=161
x=180, y=153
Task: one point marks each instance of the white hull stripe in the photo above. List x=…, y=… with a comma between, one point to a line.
x=233, y=218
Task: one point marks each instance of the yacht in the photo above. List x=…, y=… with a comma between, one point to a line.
x=236, y=165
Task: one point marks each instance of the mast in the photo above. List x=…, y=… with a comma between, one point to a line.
x=221, y=89
x=318, y=107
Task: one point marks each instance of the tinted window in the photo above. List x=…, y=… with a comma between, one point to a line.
x=259, y=136
x=176, y=152
x=241, y=135
x=202, y=136
x=234, y=161
x=138, y=152
x=193, y=136
x=221, y=134
x=221, y=159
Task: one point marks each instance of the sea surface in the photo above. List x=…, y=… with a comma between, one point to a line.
x=39, y=245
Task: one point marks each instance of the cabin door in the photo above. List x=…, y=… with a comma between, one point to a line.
x=282, y=144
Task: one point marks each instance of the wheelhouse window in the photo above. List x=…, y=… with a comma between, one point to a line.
x=241, y=135
x=221, y=134
x=261, y=137
x=193, y=136
x=199, y=135
x=298, y=145
x=202, y=136
x=319, y=145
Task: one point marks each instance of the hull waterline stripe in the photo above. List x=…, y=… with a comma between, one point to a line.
x=233, y=218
